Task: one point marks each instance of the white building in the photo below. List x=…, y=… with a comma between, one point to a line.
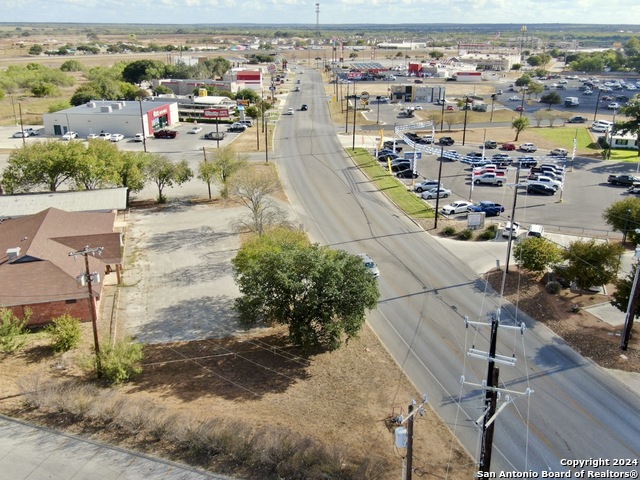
x=113, y=116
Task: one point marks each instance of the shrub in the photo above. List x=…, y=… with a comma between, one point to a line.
x=465, y=234
x=12, y=330
x=121, y=361
x=553, y=288
x=449, y=231
x=488, y=233
x=65, y=333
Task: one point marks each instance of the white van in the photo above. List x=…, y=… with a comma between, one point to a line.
x=535, y=231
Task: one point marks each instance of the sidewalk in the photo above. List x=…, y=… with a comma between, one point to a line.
x=29, y=453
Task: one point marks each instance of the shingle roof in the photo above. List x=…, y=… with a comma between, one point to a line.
x=43, y=271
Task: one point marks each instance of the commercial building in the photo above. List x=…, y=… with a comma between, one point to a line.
x=125, y=117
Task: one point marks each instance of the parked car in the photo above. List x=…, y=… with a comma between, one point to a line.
x=515, y=98
x=511, y=229
x=215, y=135
x=246, y=122
x=69, y=136
x=448, y=141
x=236, y=127
x=436, y=193
x=290, y=111
x=116, y=137
x=92, y=136
x=540, y=189
x=370, y=264
x=528, y=147
x=577, y=119
x=545, y=180
x=623, y=179
x=508, y=146
x=399, y=165
x=104, y=136
x=598, y=128
x=519, y=108
x=526, y=162
x=138, y=137
x=196, y=129
x=490, y=209
x=456, y=207
x=558, y=152
x=613, y=106
x=490, y=144
x=165, y=133
x=304, y=107
x=384, y=157
x=408, y=173
x=426, y=185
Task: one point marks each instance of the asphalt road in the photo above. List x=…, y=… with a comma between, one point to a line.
x=577, y=410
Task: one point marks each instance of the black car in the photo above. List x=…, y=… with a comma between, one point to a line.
x=448, y=141
x=577, y=119
x=408, y=173
x=304, y=107
x=538, y=189
x=401, y=166
x=389, y=144
x=526, y=162
x=387, y=156
x=165, y=134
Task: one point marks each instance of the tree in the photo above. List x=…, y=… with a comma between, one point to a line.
x=41, y=165
x=253, y=188
x=320, y=294
x=353, y=55
x=535, y=88
x=436, y=54
x=218, y=66
x=164, y=173
x=226, y=162
x=551, y=98
x=129, y=170
x=95, y=167
x=44, y=89
x=142, y=70
x=624, y=216
x=71, y=66
x=539, y=116
x=537, y=254
x=622, y=294
x=248, y=94
x=452, y=119
x=519, y=124
x=632, y=110
x=36, y=50
x=523, y=81
x=592, y=263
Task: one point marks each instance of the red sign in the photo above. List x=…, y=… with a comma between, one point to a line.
x=216, y=113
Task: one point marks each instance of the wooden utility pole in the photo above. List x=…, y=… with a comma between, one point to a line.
x=409, y=444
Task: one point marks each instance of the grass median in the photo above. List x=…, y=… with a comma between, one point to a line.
x=393, y=188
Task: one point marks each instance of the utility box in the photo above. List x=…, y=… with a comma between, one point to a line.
x=402, y=437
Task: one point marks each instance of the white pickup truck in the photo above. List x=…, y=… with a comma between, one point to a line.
x=544, y=180
x=491, y=178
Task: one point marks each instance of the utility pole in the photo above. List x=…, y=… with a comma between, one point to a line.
x=513, y=214
x=89, y=278
x=634, y=295
x=355, y=110
x=466, y=110
x=490, y=386
x=435, y=225
x=404, y=435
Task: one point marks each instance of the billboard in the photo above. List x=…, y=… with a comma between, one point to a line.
x=216, y=113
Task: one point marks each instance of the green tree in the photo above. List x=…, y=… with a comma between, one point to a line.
x=36, y=50
x=592, y=263
x=164, y=173
x=523, y=81
x=535, y=88
x=41, y=165
x=519, y=125
x=631, y=110
x=436, y=54
x=163, y=90
x=142, y=70
x=537, y=254
x=622, y=293
x=551, y=98
x=320, y=294
x=218, y=66
x=12, y=330
x=624, y=216
x=95, y=167
x=57, y=106
x=65, y=333
x=353, y=55
x=248, y=94
x=44, y=89
x=225, y=163
x=129, y=170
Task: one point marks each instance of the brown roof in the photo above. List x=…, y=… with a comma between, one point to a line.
x=43, y=270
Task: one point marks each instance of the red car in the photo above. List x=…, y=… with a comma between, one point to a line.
x=520, y=108
x=165, y=134
x=451, y=108
x=508, y=146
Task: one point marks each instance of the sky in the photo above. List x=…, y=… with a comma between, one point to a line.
x=331, y=11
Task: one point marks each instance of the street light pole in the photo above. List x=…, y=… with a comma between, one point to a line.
x=615, y=111
x=355, y=110
x=144, y=136
x=513, y=214
x=466, y=110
